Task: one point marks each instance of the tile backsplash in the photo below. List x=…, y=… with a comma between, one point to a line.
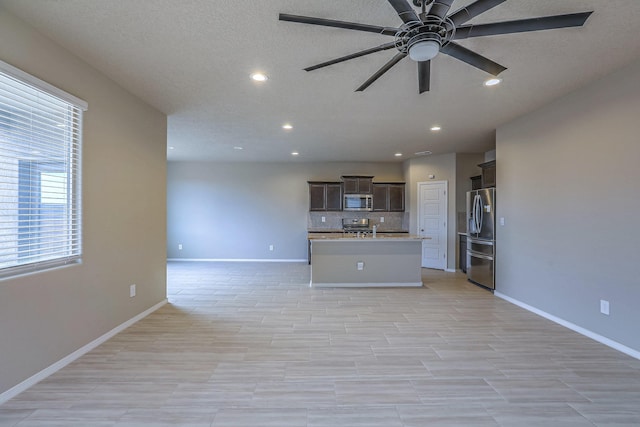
x=393, y=221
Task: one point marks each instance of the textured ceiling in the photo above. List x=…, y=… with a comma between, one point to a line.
x=192, y=59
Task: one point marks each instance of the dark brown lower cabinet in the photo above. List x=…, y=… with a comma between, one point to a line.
x=462, y=262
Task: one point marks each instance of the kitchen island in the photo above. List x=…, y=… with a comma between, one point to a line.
x=388, y=260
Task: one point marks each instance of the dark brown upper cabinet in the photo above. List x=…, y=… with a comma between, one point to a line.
x=476, y=182
x=488, y=174
x=388, y=197
x=325, y=196
x=357, y=184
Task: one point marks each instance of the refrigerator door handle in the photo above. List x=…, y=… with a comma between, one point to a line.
x=481, y=208
x=477, y=212
x=473, y=214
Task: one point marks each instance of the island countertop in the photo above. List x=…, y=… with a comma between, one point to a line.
x=379, y=236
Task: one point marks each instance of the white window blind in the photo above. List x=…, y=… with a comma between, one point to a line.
x=40, y=148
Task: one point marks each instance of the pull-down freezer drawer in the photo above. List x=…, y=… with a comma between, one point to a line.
x=480, y=262
x=480, y=270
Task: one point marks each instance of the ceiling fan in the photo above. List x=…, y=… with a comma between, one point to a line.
x=422, y=36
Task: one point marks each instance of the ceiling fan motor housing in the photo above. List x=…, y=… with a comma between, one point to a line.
x=423, y=34
x=420, y=3
x=422, y=40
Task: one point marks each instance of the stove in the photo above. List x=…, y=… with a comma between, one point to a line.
x=356, y=225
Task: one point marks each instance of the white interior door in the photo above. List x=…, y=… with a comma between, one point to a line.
x=432, y=223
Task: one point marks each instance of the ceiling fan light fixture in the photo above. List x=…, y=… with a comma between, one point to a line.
x=424, y=50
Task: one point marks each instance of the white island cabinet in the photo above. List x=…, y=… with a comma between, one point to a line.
x=385, y=261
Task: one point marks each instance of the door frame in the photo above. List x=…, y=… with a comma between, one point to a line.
x=446, y=217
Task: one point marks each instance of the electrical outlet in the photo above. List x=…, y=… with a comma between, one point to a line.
x=360, y=265
x=132, y=290
x=604, y=307
x=324, y=219
x=270, y=247
x=179, y=246
x=381, y=219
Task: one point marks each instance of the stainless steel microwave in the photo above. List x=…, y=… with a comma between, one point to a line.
x=358, y=202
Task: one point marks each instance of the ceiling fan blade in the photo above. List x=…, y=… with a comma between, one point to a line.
x=522, y=25
x=405, y=11
x=440, y=8
x=385, y=46
x=424, y=76
x=474, y=9
x=472, y=58
x=386, y=67
x=388, y=31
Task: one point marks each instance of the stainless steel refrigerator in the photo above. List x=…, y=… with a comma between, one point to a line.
x=481, y=240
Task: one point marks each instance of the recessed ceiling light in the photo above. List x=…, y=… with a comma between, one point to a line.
x=287, y=126
x=423, y=153
x=294, y=153
x=398, y=154
x=492, y=82
x=435, y=128
x=237, y=148
x=259, y=77
x=171, y=148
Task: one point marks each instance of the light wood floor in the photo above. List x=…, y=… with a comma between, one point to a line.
x=250, y=344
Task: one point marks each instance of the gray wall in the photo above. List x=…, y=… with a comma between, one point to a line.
x=568, y=187
x=236, y=210
x=46, y=316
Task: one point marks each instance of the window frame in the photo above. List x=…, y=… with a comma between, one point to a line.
x=29, y=173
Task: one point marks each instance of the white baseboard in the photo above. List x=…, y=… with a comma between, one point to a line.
x=587, y=333
x=235, y=260
x=24, y=385
x=450, y=270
